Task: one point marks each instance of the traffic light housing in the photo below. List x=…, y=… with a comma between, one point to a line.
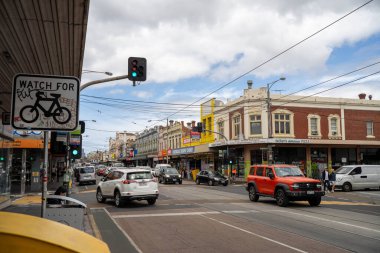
x=76, y=149
x=136, y=69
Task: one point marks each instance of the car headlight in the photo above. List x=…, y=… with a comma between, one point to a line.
x=319, y=186
x=216, y=179
x=179, y=176
x=295, y=186
x=167, y=176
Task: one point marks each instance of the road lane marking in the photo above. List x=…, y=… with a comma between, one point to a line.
x=254, y=234
x=125, y=233
x=328, y=220
x=162, y=214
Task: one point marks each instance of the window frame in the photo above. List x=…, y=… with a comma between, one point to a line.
x=314, y=133
x=220, y=124
x=236, y=126
x=371, y=133
x=332, y=134
x=291, y=123
x=253, y=121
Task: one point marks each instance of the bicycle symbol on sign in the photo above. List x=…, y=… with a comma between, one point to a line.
x=30, y=113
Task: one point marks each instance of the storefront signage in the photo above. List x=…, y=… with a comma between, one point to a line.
x=260, y=141
x=182, y=151
x=22, y=143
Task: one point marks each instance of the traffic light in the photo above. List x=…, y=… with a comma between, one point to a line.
x=136, y=69
x=76, y=148
x=2, y=158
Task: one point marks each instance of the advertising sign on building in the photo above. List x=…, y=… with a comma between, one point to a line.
x=41, y=102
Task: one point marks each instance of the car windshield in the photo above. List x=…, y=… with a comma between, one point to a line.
x=87, y=170
x=288, y=172
x=139, y=175
x=118, y=165
x=170, y=171
x=343, y=170
x=215, y=173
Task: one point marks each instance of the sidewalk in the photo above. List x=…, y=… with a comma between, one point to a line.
x=31, y=204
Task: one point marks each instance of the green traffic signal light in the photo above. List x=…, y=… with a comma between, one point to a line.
x=2, y=158
x=75, y=152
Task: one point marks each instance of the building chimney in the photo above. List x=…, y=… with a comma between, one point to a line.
x=193, y=123
x=362, y=95
x=370, y=97
x=182, y=123
x=171, y=122
x=249, y=83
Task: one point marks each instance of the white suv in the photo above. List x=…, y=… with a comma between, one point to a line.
x=128, y=184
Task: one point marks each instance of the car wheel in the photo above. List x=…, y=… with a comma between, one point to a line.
x=99, y=196
x=281, y=198
x=314, y=201
x=225, y=184
x=210, y=182
x=347, y=187
x=118, y=200
x=159, y=180
x=253, y=194
x=197, y=181
x=180, y=182
x=152, y=201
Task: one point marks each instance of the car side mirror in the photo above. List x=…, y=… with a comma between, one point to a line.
x=271, y=176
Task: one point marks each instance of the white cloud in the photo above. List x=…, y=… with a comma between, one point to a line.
x=116, y=91
x=183, y=39
x=142, y=94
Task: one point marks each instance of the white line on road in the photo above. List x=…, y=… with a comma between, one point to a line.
x=328, y=220
x=251, y=233
x=162, y=214
x=124, y=232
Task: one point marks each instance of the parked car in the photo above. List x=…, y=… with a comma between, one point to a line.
x=284, y=183
x=211, y=178
x=169, y=175
x=87, y=175
x=126, y=185
x=356, y=177
x=101, y=171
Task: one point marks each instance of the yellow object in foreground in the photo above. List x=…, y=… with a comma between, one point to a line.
x=25, y=233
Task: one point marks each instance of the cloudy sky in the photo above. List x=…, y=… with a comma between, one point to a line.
x=193, y=48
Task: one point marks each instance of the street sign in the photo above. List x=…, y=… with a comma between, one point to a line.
x=42, y=102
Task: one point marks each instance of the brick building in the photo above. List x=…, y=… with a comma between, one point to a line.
x=311, y=132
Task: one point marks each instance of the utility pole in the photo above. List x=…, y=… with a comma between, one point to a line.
x=270, y=151
x=167, y=140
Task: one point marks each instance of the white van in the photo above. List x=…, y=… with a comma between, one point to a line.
x=356, y=177
x=86, y=175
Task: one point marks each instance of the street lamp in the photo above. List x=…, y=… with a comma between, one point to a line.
x=269, y=86
x=85, y=71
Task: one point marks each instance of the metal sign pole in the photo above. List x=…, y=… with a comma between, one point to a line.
x=44, y=173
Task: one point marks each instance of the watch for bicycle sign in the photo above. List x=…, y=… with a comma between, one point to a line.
x=45, y=102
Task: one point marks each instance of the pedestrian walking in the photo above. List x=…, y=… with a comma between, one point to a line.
x=325, y=179
x=332, y=180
